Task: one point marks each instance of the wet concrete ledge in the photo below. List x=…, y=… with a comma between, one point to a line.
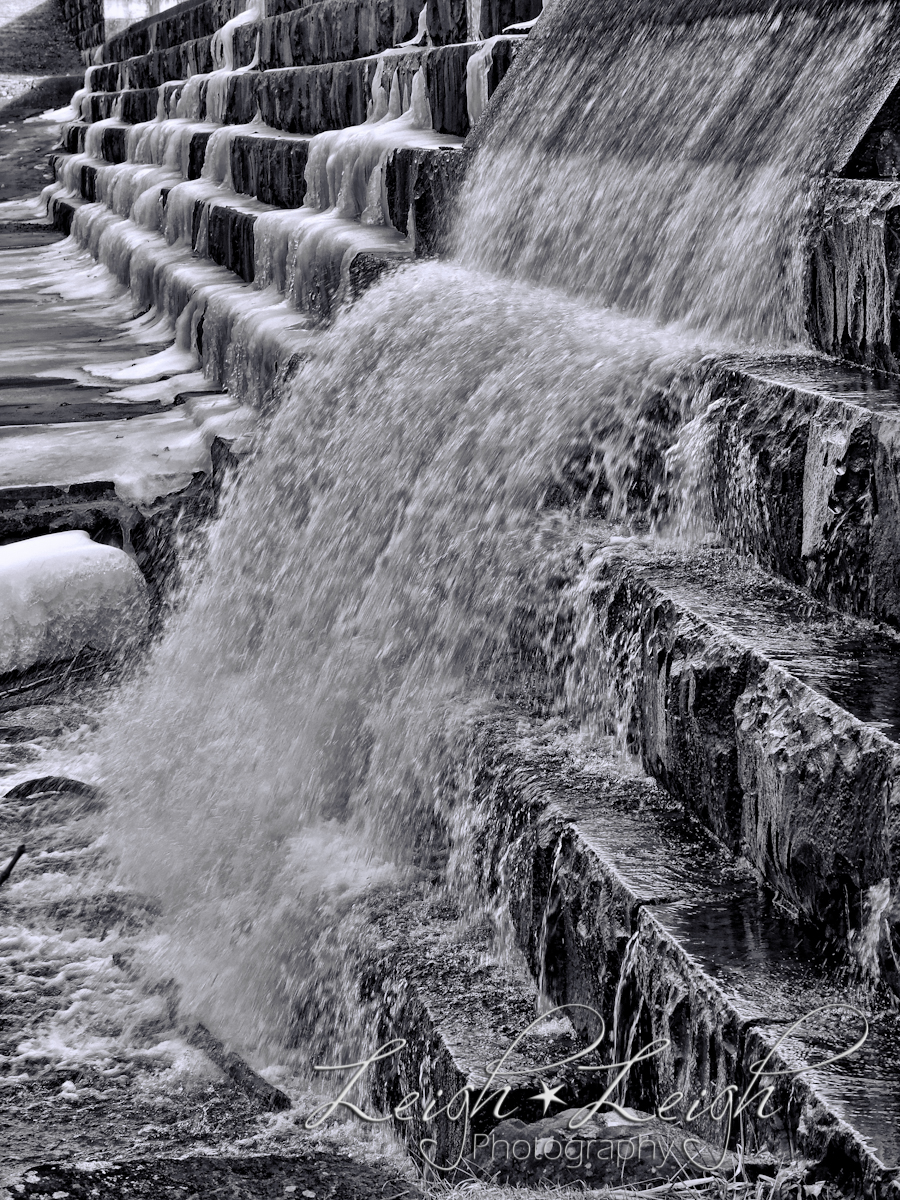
x=805, y=458
x=230, y=245
x=423, y=183
x=623, y=903
x=181, y=23
x=297, y=34
x=421, y=187
x=434, y=981
x=316, y=35
x=772, y=719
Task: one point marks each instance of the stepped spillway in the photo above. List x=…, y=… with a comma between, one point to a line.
x=549, y=632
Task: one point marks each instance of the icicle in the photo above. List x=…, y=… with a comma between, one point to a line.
x=420, y=37
x=478, y=74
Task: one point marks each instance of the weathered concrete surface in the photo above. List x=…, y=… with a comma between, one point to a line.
x=623, y=904
x=333, y=95
x=160, y=66
x=313, y=99
x=772, y=719
x=336, y=30
x=422, y=186
x=804, y=460
x=230, y=239
x=182, y=23
x=84, y=21
x=270, y=168
x=299, y=35
x=442, y=989
x=133, y=107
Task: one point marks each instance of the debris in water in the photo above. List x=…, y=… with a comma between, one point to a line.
x=8, y=869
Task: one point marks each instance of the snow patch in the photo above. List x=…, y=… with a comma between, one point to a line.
x=62, y=592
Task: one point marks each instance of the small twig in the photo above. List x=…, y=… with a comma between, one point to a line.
x=8, y=869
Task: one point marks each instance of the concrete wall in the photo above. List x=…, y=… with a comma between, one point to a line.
x=85, y=22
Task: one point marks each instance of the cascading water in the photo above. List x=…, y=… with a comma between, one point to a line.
x=281, y=748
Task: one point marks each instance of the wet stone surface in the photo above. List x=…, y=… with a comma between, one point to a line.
x=738, y=695
x=319, y=1176
x=622, y=903
x=804, y=458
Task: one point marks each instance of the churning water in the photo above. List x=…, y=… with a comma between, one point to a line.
x=638, y=195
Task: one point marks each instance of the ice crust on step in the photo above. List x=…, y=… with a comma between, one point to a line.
x=144, y=457
x=63, y=592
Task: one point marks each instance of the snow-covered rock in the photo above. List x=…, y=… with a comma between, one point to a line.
x=62, y=592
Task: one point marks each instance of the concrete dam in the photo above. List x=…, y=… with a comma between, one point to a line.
x=450, y=623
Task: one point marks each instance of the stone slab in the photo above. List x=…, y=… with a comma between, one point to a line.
x=805, y=461
x=622, y=903
x=771, y=718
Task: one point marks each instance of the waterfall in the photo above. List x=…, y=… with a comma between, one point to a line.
x=377, y=565
x=671, y=169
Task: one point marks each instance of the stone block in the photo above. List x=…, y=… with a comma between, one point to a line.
x=803, y=462
x=272, y=169
x=421, y=187
x=755, y=710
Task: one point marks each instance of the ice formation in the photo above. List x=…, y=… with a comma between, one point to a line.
x=63, y=592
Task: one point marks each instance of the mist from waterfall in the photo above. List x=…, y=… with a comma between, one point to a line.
x=378, y=566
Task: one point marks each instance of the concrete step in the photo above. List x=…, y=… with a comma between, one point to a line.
x=150, y=70
x=802, y=461
x=80, y=451
x=771, y=718
x=181, y=23
x=420, y=182
x=337, y=30
x=624, y=905
x=319, y=33
x=437, y=989
x=343, y=259
x=462, y=1057
x=298, y=33
x=667, y=956
x=221, y=228
x=313, y=99
x=316, y=35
